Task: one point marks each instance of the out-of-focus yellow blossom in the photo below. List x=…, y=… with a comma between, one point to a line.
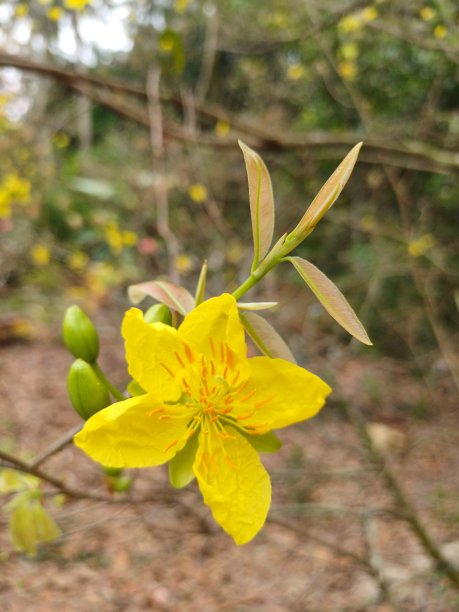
x=77, y=261
x=427, y=13
x=348, y=70
x=222, y=128
x=55, y=13
x=350, y=23
x=183, y=263
x=45, y=2
x=21, y=10
x=440, y=31
x=369, y=13
x=167, y=43
x=13, y=190
x=180, y=6
x=130, y=238
x=76, y=5
x=40, y=255
x=421, y=245
x=349, y=51
x=205, y=407
x=61, y=140
x=235, y=251
x=295, y=72
x=198, y=193
x=114, y=237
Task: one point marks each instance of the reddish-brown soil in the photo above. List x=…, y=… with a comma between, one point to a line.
x=168, y=554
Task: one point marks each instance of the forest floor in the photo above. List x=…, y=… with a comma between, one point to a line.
x=328, y=505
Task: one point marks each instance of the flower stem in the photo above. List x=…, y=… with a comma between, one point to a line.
x=104, y=380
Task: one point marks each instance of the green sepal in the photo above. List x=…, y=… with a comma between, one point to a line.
x=80, y=335
x=158, y=313
x=122, y=484
x=87, y=394
x=266, y=443
x=135, y=389
x=181, y=466
x=112, y=471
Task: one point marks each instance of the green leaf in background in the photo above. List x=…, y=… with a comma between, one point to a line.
x=331, y=298
x=261, y=202
x=266, y=337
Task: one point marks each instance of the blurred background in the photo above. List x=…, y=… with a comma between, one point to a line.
x=119, y=162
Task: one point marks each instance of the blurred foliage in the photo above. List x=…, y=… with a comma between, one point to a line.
x=78, y=181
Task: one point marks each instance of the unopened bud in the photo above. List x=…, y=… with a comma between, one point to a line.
x=80, y=335
x=87, y=394
x=159, y=313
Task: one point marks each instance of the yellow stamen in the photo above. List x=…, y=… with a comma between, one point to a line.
x=189, y=353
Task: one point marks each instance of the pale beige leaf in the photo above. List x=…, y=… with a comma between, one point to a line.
x=330, y=191
x=266, y=337
x=256, y=305
x=331, y=298
x=174, y=296
x=261, y=201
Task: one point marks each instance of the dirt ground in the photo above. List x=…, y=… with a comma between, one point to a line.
x=168, y=554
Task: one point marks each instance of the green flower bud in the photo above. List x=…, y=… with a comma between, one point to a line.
x=80, y=335
x=87, y=394
x=159, y=313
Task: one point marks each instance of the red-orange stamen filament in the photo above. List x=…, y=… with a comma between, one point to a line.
x=173, y=443
x=168, y=370
x=179, y=359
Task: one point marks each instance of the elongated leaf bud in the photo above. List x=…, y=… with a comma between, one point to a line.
x=87, y=394
x=80, y=335
x=159, y=313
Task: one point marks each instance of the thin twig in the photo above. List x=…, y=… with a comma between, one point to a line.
x=56, y=447
x=159, y=159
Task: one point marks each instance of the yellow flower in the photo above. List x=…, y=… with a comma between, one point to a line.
x=440, y=31
x=180, y=6
x=348, y=70
x=55, y=13
x=76, y=5
x=40, y=255
x=21, y=10
x=77, y=261
x=295, y=72
x=222, y=128
x=129, y=238
x=369, y=13
x=427, y=13
x=205, y=408
x=198, y=193
x=421, y=245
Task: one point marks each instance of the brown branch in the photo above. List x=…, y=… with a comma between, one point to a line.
x=409, y=154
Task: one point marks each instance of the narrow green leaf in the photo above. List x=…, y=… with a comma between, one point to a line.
x=331, y=298
x=329, y=193
x=261, y=202
x=201, y=286
x=174, y=296
x=266, y=337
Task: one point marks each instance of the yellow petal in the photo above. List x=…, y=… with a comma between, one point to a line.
x=233, y=482
x=279, y=393
x=155, y=355
x=216, y=319
x=138, y=432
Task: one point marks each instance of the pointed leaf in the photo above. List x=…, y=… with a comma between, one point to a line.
x=201, y=286
x=174, y=296
x=261, y=202
x=331, y=298
x=266, y=337
x=329, y=192
x=256, y=305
